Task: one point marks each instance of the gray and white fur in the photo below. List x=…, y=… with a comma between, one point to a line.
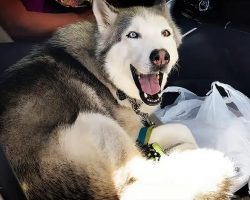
x=68, y=136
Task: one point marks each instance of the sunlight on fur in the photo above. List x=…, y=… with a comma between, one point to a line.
x=182, y=175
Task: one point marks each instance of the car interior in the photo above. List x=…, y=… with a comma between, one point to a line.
x=215, y=47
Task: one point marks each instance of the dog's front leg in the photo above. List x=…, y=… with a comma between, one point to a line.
x=173, y=137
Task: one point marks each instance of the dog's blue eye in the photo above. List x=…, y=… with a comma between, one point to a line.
x=133, y=34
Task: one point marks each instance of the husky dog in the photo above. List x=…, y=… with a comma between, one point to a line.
x=71, y=112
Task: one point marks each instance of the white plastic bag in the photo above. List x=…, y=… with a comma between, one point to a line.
x=217, y=122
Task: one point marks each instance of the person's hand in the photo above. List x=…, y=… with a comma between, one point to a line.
x=73, y=3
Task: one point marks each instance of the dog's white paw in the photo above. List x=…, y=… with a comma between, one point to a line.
x=173, y=137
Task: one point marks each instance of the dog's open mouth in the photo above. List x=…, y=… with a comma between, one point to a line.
x=149, y=86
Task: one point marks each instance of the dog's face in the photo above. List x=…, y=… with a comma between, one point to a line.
x=138, y=47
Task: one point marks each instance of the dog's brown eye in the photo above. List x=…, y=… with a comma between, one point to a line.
x=165, y=33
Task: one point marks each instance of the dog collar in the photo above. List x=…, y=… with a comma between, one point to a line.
x=144, y=135
x=136, y=107
x=152, y=151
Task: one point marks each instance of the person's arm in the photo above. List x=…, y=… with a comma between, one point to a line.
x=20, y=23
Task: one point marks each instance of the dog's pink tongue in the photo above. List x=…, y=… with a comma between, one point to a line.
x=149, y=84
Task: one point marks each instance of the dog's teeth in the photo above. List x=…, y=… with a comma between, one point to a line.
x=145, y=95
x=139, y=76
x=159, y=95
x=158, y=76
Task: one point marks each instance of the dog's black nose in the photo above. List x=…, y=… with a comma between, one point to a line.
x=159, y=57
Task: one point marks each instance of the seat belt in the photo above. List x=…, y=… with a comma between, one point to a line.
x=10, y=188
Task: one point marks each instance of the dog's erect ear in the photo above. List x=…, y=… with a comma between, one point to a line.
x=104, y=13
x=161, y=5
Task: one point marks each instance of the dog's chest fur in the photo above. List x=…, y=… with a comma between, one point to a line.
x=129, y=121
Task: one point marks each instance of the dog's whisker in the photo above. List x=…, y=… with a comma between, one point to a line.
x=176, y=67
